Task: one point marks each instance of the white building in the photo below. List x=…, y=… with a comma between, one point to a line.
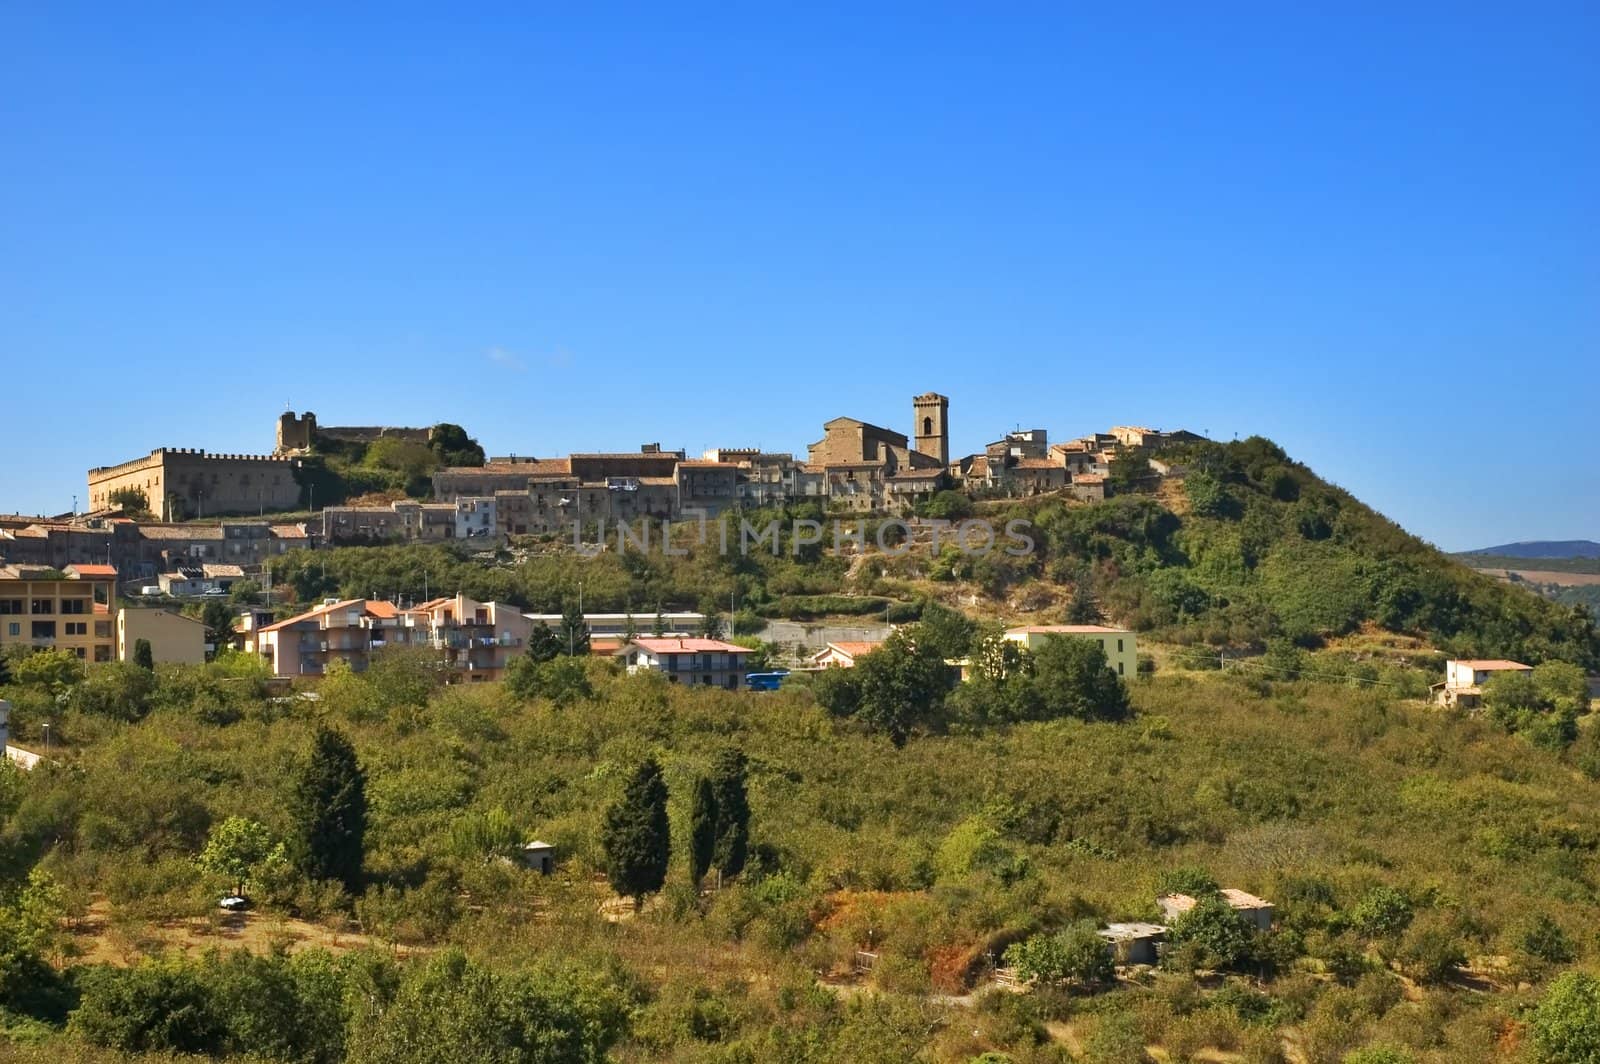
x=475, y=517
x=1464, y=680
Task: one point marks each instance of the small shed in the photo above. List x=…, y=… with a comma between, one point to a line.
x=539, y=856
x=1135, y=943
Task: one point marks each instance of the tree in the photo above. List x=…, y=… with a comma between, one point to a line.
x=1561, y=686
x=733, y=811
x=143, y=655
x=1071, y=679
x=119, y=690
x=630, y=628
x=635, y=835
x=1129, y=466
x=159, y=1004
x=453, y=446
x=702, y=830
x=1542, y=937
x=329, y=804
x=133, y=502
x=573, y=636
x=658, y=626
x=711, y=625
x=949, y=632
x=1218, y=937
x=218, y=618
x=450, y=1008
x=838, y=691
x=1077, y=953
x=1566, y=1024
x=1382, y=912
x=563, y=680
x=52, y=669
x=237, y=848
x=903, y=684
x=1083, y=607
x=544, y=644
x=946, y=505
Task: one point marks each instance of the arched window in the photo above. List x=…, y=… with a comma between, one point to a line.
x=927, y=426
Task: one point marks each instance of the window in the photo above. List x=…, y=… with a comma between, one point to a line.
x=10, y=605
x=1120, y=670
x=102, y=629
x=1119, y=646
x=77, y=628
x=102, y=653
x=80, y=652
x=706, y=679
x=44, y=629
x=74, y=607
x=43, y=606
x=14, y=629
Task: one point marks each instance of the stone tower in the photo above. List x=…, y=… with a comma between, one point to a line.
x=294, y=433
x=931, y=426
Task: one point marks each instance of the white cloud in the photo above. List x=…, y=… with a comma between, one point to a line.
x=505, y=359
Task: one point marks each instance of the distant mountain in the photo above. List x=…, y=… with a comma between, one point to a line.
x=1545, y=548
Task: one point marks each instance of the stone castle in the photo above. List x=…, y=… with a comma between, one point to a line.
x=296, y=433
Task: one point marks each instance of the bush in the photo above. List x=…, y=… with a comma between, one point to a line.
x=1566, y=1024
x=1077, y=954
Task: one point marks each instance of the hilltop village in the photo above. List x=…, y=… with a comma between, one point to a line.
x=856, y=467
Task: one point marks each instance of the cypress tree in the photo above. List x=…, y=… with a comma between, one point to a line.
x=143, y=656
x=635, y=835
x=544, y=645
x=330, y=810
x=733, y=812
x=658, y=627
x=702, y=830
x=574, y=634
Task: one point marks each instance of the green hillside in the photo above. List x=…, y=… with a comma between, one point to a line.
x=1245, y=548
x=1435, y=878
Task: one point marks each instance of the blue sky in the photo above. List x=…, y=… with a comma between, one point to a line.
x=1369, y=235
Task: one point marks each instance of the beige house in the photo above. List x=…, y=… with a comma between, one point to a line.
x=1464, y=680
x=66, y=609
x=1118, y=643
x=174, y=638
x=843, y=655
x=472, y=640
x=703, y=662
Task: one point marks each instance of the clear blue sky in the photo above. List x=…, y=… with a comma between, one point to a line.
x=1369, y=235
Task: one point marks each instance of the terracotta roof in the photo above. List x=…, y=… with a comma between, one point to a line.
x=222, y=569
x=312, y=614
x=1492, y=664
x=1068, y=629
x=657, y=645
x=1088, y=478
x=852, y=648
x=181, y=531
x=703, y=463
x=1038, y=463
x=93, y=570
x=380, y=608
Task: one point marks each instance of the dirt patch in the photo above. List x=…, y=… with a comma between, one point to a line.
x=97, y=938
x=1546, y=576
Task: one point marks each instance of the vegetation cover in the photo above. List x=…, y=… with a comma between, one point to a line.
x=832, y=872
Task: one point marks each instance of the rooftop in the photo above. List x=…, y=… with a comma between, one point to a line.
x=1491, y=665
x=662, y=645
x=1067, y=629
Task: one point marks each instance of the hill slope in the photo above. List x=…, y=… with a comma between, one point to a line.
x=1246, y=547
x=1544, y=548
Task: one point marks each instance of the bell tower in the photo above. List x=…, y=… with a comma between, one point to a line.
x=931, y=426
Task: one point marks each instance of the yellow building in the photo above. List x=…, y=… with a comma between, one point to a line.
x=68, y=609
x=173, y=637
x=1121, y=652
